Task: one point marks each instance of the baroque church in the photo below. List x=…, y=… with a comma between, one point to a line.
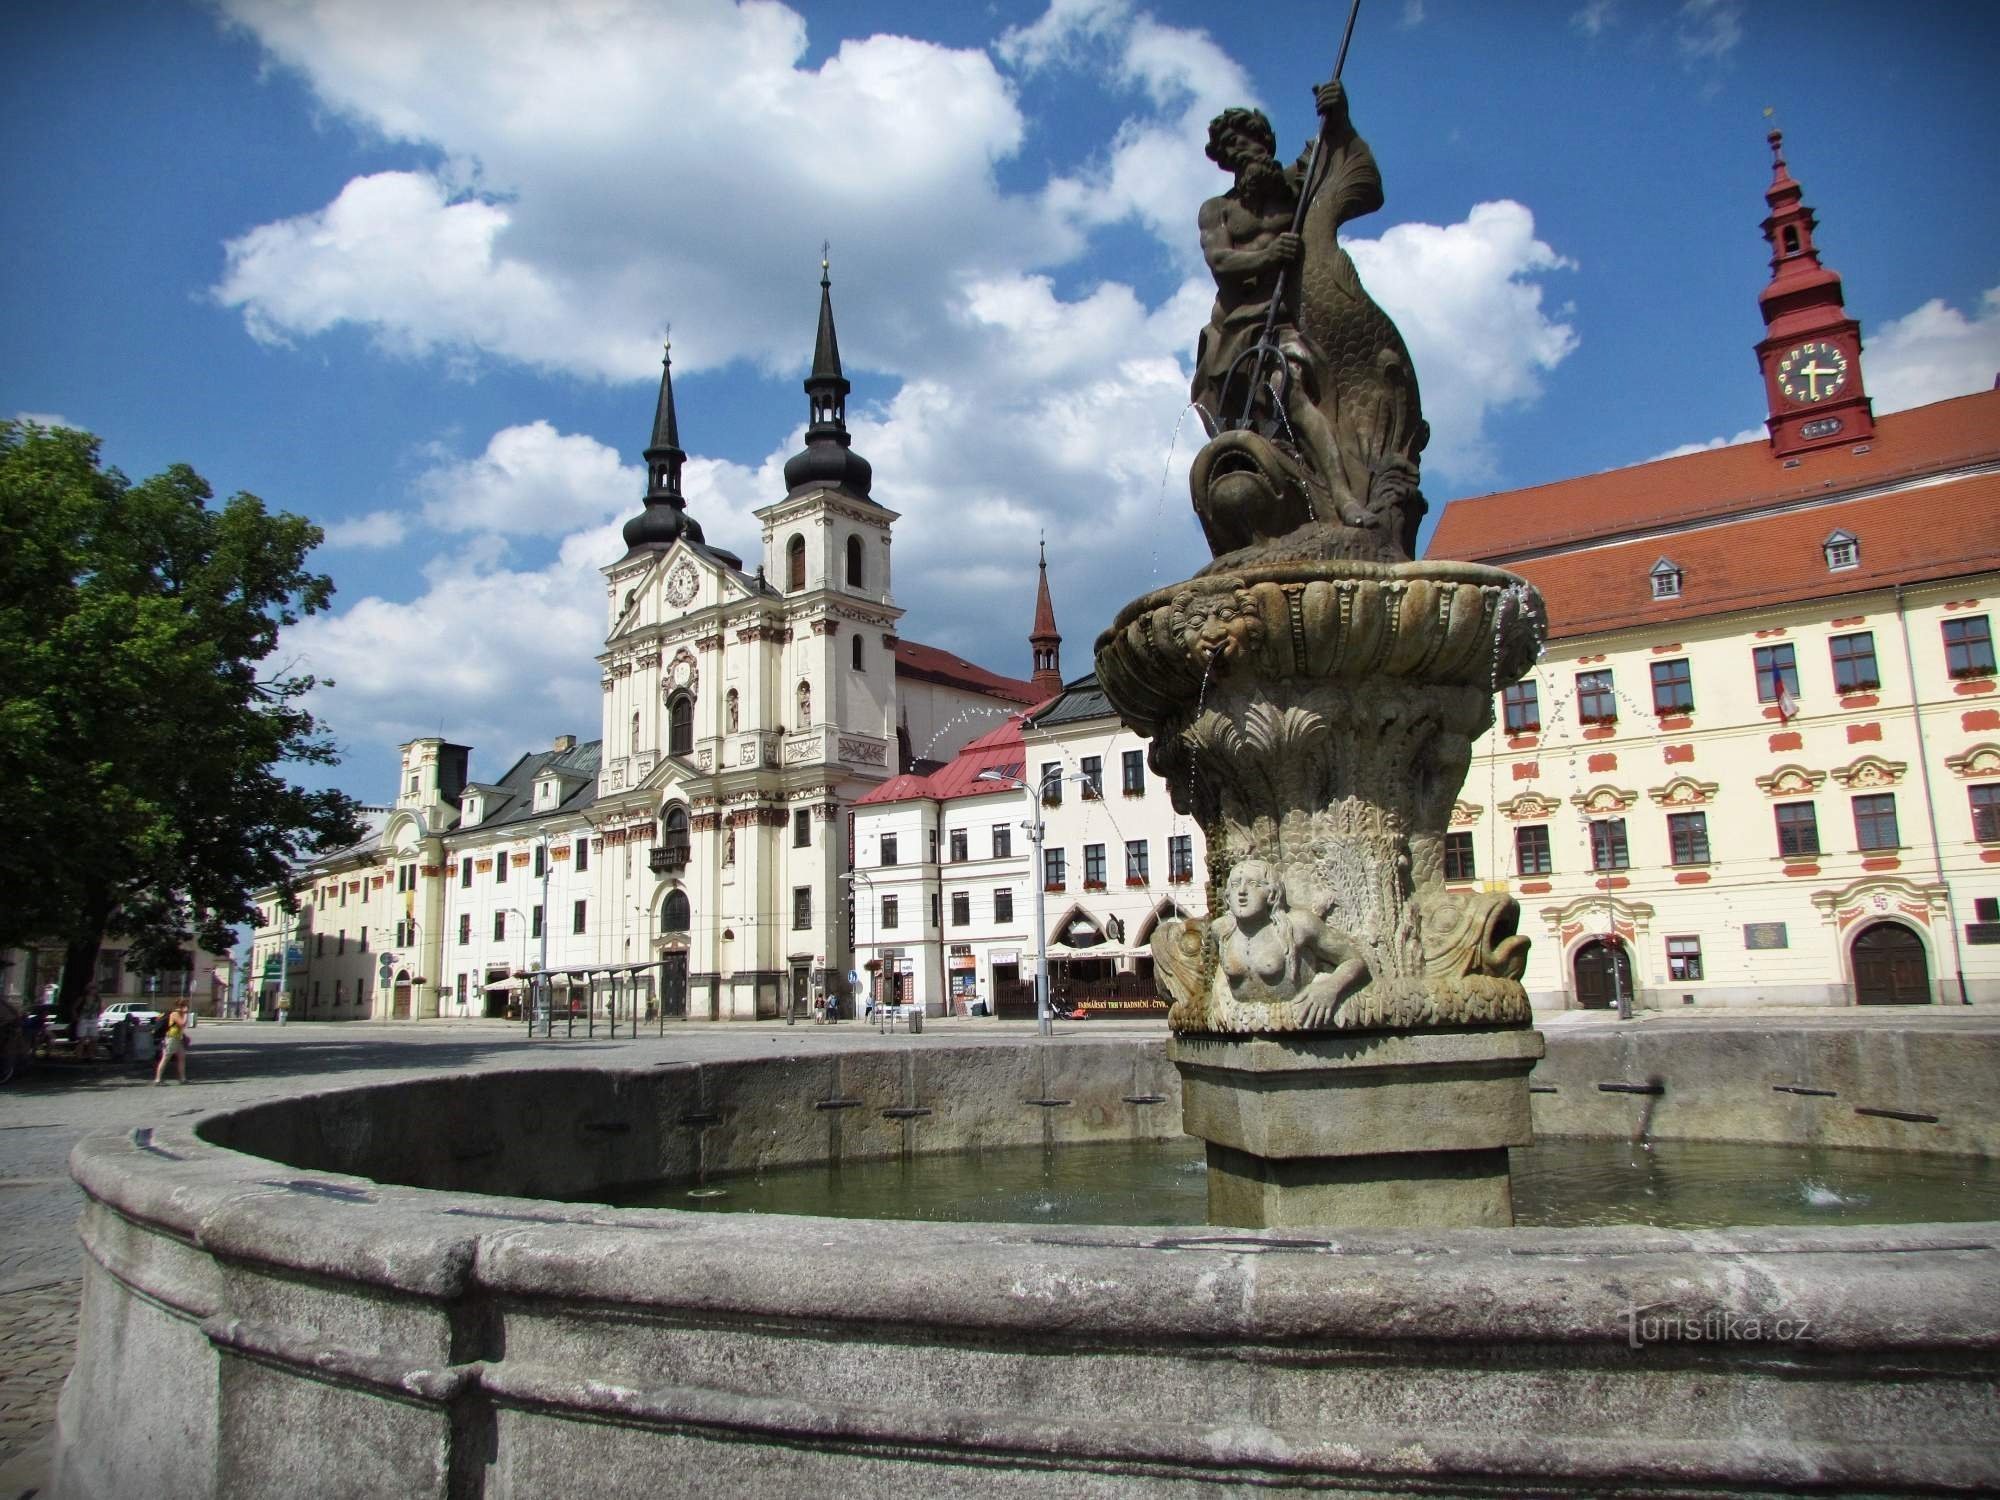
x=694, y=861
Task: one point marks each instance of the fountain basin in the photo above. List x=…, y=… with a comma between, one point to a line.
x=349, y=1314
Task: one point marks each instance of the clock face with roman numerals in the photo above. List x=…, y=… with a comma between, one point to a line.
x=1812, y=373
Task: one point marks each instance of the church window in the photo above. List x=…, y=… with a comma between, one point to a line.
x=680, y=725
x=582, y=858
x=802, y=907
x=854, y=562
x=795, y=565
x=674, y=841
x=675, y=914
x=732, y=707
x=805, y=706
x=801, y=828
x=857, y=653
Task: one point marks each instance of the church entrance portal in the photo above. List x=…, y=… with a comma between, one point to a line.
x=1890, y=967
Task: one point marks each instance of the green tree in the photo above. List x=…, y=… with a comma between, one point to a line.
x=140, y=742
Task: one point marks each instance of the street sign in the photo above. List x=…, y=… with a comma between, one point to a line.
x=386, y=966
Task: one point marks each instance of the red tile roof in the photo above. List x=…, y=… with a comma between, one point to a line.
x=1938, y=530
x=998, y=750
x=1670, y=492
x=930, y=664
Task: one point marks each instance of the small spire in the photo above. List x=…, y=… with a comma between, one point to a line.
x=826, y=348
x=666, y=442
x=664, y=518
x=1044, y=641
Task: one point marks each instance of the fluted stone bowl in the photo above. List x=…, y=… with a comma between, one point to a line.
x=1446, y=624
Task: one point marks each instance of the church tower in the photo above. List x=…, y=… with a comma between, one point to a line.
x=1043, y=639
x=1811, y=350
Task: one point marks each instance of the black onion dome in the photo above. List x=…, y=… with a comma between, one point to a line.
x=828, y=459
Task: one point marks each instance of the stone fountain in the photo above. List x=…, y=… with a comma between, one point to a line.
x=1352, y=1035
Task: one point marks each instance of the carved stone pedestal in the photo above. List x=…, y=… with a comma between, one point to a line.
x=1389, y=1129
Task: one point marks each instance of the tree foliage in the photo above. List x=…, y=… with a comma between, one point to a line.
x=141, y=740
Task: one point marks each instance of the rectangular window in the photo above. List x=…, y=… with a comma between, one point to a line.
x=1596, y=698
x=535, y=922
x=1673, y=688
x=1138, y=862
x=340, y=941
x=1854, y=668
x=319, y=946
x=889, y=913
x=465, y=871
x=338, y=986
x=1968, y=647
x=1531, y=850
x=1683, y=958
x=1180, y=856
x=1093, y=867
x=464, y=928
x=1798, y=829
x=1458, y=863
x=959, y=844
x=1134, y=763
x=1985, y=811
x=364, y=940
x=1607, y=844
x=499, y=926
x=802, y=907
x=461, y=992
x=1051, y=783
x=579, y=920
x=1003, y=904
x=802, y=828
x=961, y=909
x=1875, y=821
x=500, y=861
x=1777, y=670
x=1521, y=708
x=932, y=835
x=1055, y=869
x=937, y=917
x=1093, y=777
x=1003, y=841
x=1687, y=836
x=541, y=860
x=888, y=848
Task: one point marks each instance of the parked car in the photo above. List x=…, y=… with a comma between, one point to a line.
x=122, y=1010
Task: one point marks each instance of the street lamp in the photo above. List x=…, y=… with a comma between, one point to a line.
x=1033, y=824
x=862, y=876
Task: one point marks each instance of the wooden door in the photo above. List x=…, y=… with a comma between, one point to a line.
x=1598, y=965
x=401, y=1009
x=1890, y=967
x=674, y=983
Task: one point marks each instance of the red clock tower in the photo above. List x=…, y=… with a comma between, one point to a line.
x=1811, y=350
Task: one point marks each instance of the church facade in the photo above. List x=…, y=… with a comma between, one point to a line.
x=691, y=859
x=1759, y=761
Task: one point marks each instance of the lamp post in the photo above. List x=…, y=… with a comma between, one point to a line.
x=862, y=876
x=1033, y=824
x=515, y=913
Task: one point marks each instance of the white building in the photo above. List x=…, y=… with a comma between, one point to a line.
x=946, y=879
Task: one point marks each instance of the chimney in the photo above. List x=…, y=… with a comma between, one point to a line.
x=564, y=742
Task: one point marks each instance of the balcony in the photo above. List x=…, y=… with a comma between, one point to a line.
x=670, y=856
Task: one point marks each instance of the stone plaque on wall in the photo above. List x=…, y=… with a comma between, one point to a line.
x=1765, y=935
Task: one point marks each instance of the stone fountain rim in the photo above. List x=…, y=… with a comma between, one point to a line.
x=1565, y=1285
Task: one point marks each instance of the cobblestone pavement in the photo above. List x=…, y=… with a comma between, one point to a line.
x=47, y=1111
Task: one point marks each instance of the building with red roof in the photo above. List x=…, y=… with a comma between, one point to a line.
x=1759, y=761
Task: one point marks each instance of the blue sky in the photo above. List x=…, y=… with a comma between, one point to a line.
x=405, y=269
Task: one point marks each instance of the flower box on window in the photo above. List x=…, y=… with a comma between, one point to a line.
x=1055, y=885
x=1093, y=885
x=1135, y=880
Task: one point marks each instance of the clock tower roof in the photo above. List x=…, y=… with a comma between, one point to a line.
x=1811, y=350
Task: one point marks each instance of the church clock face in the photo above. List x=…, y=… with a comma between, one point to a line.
x=681, y=584
x=1811, y=373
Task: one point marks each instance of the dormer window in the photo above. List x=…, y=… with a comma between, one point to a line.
x=545, y=793
x=1843, y=551
x=1666, y=576
x=472, y=809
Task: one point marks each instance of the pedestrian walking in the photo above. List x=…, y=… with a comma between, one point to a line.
x=176, y=1046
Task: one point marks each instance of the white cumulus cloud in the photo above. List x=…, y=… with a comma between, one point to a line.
x=1934, y=352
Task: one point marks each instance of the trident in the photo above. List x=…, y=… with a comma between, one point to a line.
x=1265, y=355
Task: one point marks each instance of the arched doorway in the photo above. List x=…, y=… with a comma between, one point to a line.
x=676, y=921
x=400, y=1002
x=1603, y=971
x=1890, y=967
